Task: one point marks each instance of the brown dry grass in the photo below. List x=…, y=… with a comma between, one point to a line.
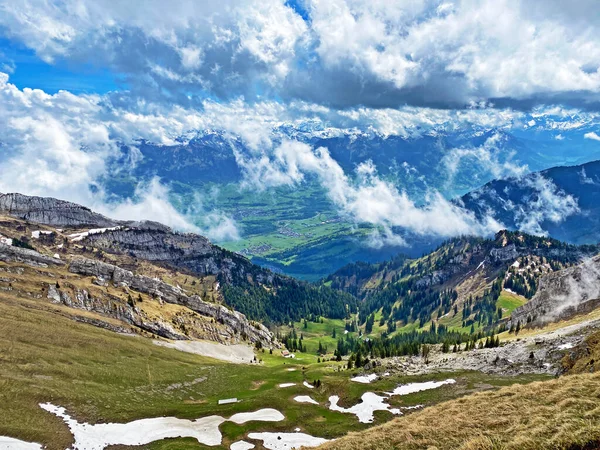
x=557, y=414
x=586, y=357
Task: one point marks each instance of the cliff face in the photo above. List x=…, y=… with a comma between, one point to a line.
x=107, y=296
x=8, y=253
x=181, y=250
x=562, y=294
x=234, y=321
x=50, y=211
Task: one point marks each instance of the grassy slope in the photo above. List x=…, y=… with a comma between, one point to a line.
x=586, y=357
x=558, y=414
x=101, y=376
x=509, y=302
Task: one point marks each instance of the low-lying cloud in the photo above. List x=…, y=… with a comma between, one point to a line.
x=364, y=197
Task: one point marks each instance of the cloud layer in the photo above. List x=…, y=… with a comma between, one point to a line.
x=61, y=145
x=344, y=53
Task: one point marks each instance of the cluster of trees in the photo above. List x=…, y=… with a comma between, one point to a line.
x=412, y=343
x=522, y=284
x=287, y=301
x=292, y=342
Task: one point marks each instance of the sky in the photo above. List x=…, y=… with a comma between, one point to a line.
x=80, y=79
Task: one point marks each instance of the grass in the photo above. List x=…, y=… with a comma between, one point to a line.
x=509, y=302
x=557, y=414
x=585, y=358
x=101, y=376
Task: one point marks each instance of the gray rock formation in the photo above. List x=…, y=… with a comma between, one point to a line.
x=255, y=332
x=563, y=294
x=181, y=250
x=50, y=211
x=9, y=253
x=504, y=253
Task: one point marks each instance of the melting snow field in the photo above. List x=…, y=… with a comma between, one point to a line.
x=7, y=443
x=305, y=399
x=139, y=432
x=372, y=402
x=241, y=445
x=287, y=441
x=411, y=388
x=365, y=379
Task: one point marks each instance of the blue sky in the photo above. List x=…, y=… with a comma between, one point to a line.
x=29, y=71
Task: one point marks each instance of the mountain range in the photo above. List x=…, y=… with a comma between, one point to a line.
x=301, y=232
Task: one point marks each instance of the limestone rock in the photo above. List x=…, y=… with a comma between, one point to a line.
x=233, y=320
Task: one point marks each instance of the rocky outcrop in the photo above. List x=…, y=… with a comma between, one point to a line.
x=562, y=294
x=233, y=320
x=50, y=211
x=9, y=253
x=180, y=250
x=504, y=253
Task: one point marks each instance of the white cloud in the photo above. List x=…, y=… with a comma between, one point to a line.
x=547, y=203
x=592, y=135
x=487, y=159
x=349, y=52
x=368, y=199
x=58, y=145
x=150, y=202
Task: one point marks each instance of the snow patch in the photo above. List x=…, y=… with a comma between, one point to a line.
x=7, y=443
x=241, y=445
x=308, y=385
x=284, y=385
x=566, y=346
x=411, y=388
x=287, y=441
x=372, y=402
x=365, y=379
x=76, y=237
x=141, y=432
x=36, y=234
x=305, y=399
x=262, y=415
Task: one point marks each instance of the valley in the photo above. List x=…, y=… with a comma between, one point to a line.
x=111, y=328
x=299, y=231
x=299, y=224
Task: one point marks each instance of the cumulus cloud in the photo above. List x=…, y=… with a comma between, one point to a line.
x=150, y=202
x=365, y=198
x=58, y=145
x=592, y=135
x=546, y=203
x=486, y=160
x=346, y=53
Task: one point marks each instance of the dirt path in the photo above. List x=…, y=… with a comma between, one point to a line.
x=239, y=354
